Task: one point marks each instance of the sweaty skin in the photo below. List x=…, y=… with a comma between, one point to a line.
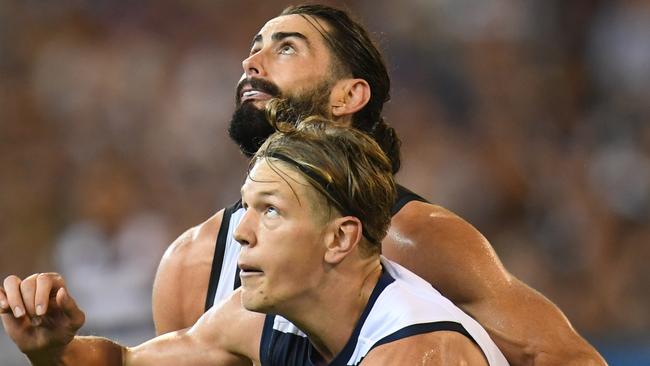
x=326, y=290
x=207, y=344
x=438, y=246
x=429, y=240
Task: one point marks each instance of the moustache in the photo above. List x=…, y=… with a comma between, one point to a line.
x=257, y=84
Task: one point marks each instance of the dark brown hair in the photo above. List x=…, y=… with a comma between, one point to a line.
x=356, y=54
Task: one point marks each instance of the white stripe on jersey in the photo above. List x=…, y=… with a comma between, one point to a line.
x=283, y=325
x=226, y=283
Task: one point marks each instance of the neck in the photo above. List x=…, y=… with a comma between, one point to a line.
x=331, y=314
x=344, y=120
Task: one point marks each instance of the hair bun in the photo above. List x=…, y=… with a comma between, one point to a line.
x=386, y=137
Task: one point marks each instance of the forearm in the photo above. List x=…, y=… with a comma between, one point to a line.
x=530, y=330
x=584, y=357
x=87, y=351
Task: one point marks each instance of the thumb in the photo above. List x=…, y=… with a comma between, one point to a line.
x=70, y=308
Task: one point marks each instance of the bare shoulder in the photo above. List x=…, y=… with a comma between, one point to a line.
x=182, y=278
x=429, y=349
x=445, y=250
x=421, y=220
x=199, y=239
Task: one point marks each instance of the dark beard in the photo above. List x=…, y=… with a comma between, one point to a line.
x=249, y=126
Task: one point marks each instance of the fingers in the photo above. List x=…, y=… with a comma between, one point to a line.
x=14, y=297
x=27, y=292
x=30, y=296
x=4, y=304
x=47, y=285
x=70, y=308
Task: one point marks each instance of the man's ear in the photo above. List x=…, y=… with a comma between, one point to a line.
x=347, y=235
x=349, y=96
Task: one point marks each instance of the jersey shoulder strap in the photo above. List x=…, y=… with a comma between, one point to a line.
x=404, y=196
x=219, y=251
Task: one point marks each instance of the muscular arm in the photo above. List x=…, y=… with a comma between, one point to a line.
x=431, y=349
x=182, y=278
x=454, y=257
x=227, y=335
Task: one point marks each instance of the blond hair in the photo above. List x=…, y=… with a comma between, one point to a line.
x=343, y=164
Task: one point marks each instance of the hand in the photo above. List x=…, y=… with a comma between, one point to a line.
x=38, y=313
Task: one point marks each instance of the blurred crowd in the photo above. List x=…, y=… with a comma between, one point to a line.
x=529, y=118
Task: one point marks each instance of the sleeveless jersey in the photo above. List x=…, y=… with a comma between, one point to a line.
x=224, y=275
x=401, y=305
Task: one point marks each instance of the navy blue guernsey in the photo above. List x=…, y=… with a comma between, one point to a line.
x=290, y=349
x=400, y=306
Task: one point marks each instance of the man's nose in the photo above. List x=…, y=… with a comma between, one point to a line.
x=253, y=65
x=244, y=233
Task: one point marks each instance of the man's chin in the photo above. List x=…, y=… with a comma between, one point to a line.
x=249, y=127
x=254, y=302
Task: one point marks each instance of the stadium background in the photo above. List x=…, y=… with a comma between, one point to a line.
x=528, y=118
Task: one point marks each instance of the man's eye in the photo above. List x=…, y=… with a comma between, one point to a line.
x=271, y=212
x=287, y=50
